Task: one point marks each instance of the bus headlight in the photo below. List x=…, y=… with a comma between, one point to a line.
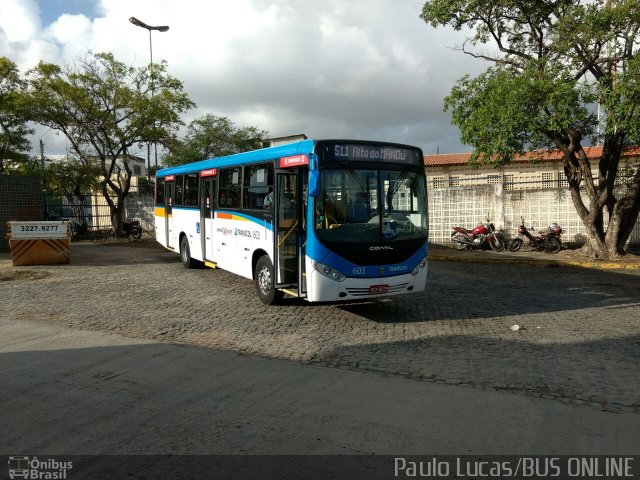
x=328, y=271
x=419, y=267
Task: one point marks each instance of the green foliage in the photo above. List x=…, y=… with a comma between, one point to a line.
x=104, y=107
x=71, y=178
x=554, y=61
x=503, y=114
x=14, y=115
x=212, y=136
x=31, y=167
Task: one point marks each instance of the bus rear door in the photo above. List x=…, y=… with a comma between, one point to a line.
x=169, y=189
x=207, y=234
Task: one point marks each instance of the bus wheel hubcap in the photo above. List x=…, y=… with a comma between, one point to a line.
x=264, y=280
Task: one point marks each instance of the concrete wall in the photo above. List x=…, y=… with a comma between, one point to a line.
x=471, y=205
x=141, y=207
x=20, y=199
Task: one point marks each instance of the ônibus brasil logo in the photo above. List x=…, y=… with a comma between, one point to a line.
x=33, y=468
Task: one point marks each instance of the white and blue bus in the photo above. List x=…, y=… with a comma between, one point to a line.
x=323, y=220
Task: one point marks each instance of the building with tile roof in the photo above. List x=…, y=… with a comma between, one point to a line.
x=532, y=170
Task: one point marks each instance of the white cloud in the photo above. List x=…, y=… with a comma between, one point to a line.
x=19, y=20
x=71, y=29
x=363, y=68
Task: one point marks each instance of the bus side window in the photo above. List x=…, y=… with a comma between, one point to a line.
x=191, y=190
x=160, y=191
x=258, y=180
x=229, y=187
x=222, y=197
x=177, y=201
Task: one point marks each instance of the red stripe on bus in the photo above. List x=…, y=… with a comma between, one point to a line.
x=228, y=216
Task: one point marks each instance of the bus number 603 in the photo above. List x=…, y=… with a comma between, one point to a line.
x=359, y=271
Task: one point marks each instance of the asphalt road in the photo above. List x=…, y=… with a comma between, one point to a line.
x=73, y=392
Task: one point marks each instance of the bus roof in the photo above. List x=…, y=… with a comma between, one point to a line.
x=264, y=154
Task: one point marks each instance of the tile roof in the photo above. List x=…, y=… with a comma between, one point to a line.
x=444, y=159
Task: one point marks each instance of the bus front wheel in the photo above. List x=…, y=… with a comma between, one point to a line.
x=265, y=282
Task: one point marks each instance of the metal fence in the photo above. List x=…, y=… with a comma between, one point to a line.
x=504, y=203
x=92, y=213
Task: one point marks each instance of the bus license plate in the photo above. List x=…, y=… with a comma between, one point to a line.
x=378, y=288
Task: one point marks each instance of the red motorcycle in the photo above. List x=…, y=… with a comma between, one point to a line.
x=483, y=236
x=547, y=240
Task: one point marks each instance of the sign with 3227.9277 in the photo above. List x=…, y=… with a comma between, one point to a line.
x=37, y=229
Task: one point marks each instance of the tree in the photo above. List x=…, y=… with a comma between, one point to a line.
x=211, y=136
x=72, y=178
x=554, y=61
x=14, y=115
x=104, y=107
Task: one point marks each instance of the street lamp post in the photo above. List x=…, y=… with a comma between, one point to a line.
x=161, y=28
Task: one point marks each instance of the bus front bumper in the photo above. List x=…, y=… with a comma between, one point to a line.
x=323, y=289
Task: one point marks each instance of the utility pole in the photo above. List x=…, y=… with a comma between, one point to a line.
x=160, y=28
x=42, y=155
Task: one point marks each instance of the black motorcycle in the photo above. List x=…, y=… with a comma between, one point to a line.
x=132, y=229
x=547, y=240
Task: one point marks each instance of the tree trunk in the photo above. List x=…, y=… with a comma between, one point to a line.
x=609, y=243
x=596, y=246
x=623, y=218
x=117, y=216
x=603, y=241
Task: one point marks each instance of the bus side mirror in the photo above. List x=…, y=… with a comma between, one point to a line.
x=314, y=183
x=314, y=175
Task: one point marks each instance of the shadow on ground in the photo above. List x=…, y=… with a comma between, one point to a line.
x=477, y=291
x=120, y=252
x=601, y=373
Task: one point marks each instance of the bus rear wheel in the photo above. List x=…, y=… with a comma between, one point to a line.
x=265, y=282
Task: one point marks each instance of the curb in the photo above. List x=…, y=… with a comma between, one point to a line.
x=591, y=264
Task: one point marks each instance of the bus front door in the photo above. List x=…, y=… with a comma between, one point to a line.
x=286, y=230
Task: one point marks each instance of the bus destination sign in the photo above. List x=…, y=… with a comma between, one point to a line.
x=371, y=153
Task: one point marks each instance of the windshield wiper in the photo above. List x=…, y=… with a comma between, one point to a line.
x=352, y=172
x=403, y=175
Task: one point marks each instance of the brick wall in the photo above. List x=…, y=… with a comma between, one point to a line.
x=20, y=199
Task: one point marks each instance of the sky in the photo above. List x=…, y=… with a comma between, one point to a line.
x=360, y=69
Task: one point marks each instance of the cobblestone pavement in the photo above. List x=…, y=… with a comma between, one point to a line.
x=579, y=341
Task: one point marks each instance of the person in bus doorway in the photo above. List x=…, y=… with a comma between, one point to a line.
x=268, y=199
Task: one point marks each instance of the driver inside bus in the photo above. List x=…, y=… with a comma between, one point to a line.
x=287, y=201
x=268, y=199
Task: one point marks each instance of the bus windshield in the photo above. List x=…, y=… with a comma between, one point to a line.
x=370, y=205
